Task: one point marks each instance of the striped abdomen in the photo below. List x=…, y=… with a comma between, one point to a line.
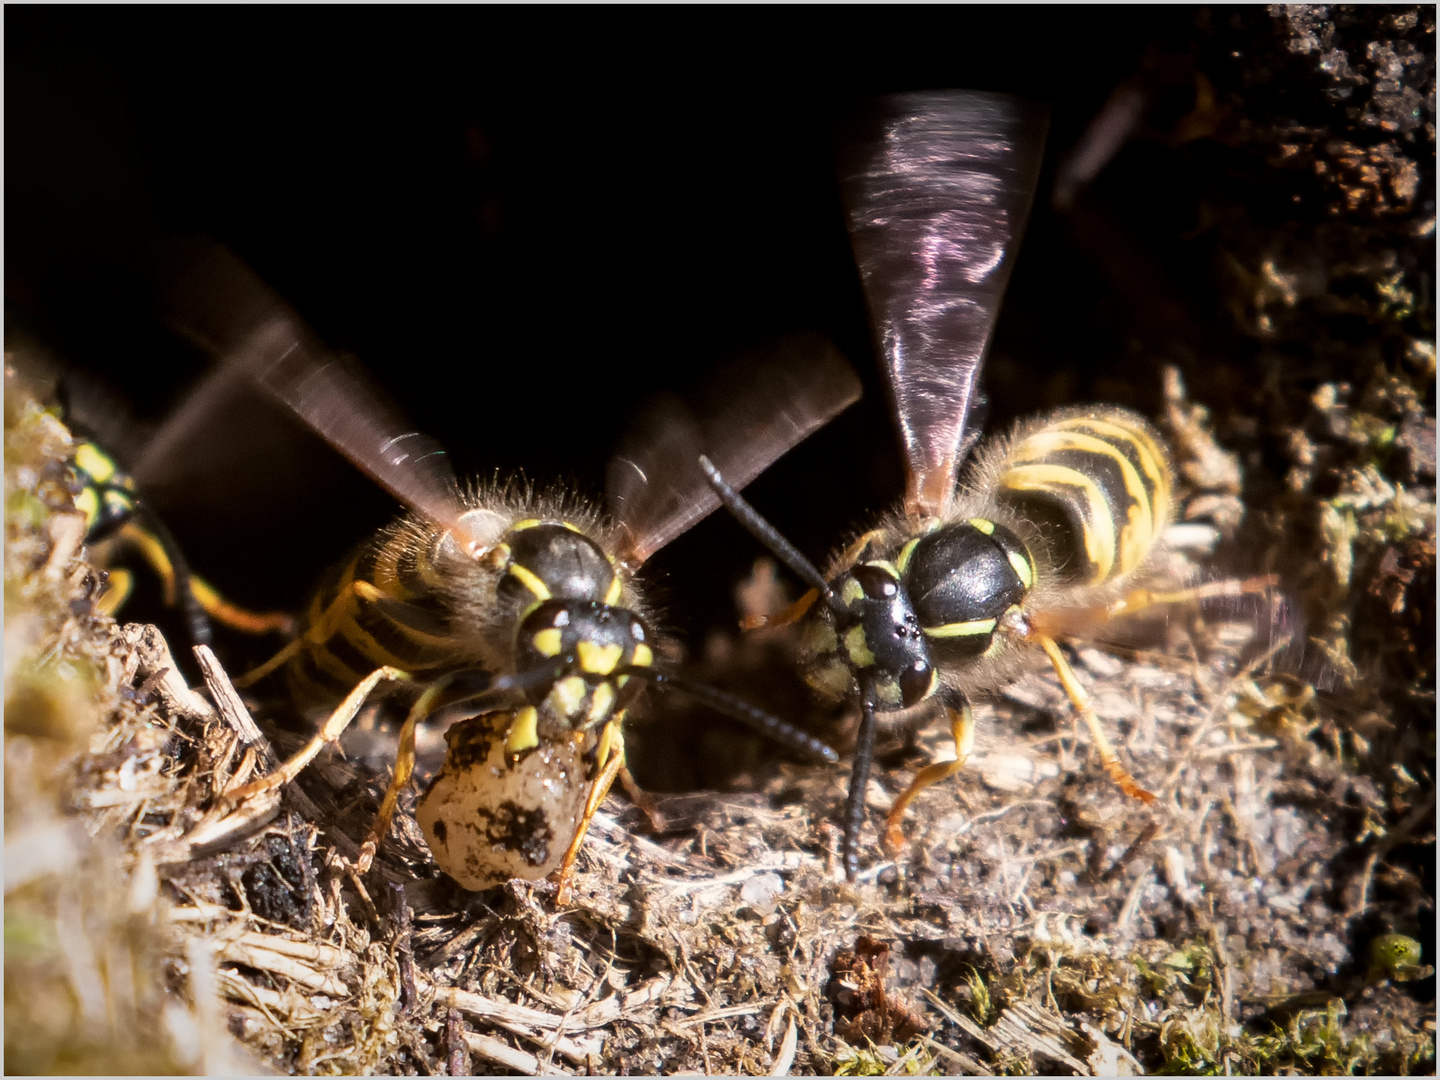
x=1097, y=486
x=397, y=616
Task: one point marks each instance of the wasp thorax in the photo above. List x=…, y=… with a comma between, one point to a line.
x=593, y=645
x=546, y=559
x=963, y=578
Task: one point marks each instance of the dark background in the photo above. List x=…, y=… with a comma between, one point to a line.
x=522, y=220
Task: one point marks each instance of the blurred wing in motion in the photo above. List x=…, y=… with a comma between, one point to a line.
x=937, y=187
x=221, y=303
x=755, y=409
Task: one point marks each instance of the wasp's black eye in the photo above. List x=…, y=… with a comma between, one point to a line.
x=878, y=585
x=916, y=682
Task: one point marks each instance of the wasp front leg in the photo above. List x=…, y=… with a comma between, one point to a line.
x=962, y=730
x=329, y=732
x=611, y=753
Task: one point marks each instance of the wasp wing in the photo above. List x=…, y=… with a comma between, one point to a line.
x=221, y=303
x=754, y=410
x=936, y=188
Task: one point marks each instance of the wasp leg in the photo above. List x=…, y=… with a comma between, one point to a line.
x=962, y=729
x=319, y=632
x=404, y=769
x=1081, y=700
x=331, y=730
x=148, y=535
x=642, y=798
x=797, y=610
x=236, y=617
x=613, y=745
x=119, y=584
x=791, y=614
x=1140, y=599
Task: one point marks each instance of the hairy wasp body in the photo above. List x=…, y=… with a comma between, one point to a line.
x=1058, y=517
x=517, y=616
x=1051, y=530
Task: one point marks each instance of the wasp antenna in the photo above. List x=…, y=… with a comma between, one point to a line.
x=784, y=733
x=859, y=779
x=767, y=534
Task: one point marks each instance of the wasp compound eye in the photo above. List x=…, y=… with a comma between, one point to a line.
x=877, y=583
x=916, y=683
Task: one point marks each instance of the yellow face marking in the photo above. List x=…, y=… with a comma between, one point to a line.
x=832, y=680
x=889, y=693
x=530, y=581
x=1099, y=530
x=88, y=503
x=885, y=565
x=858, y=648
x=852, y=591
x=523, y=734
x=598, y=659
x=961, y=629
x=1139, y=532
x=642, y=658
x=820, y=637
x=568, y=693
x=98, y=465
x=119, y=500
x=902, y=563
x=573, y=528
x=612, y=594
x=984, y=526
x=602, y=702
x=528, y=523
x=547, y=642
x=1023, y=568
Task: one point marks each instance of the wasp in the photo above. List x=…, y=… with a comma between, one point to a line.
x=1052, y=531
x=121, y=526
x=517, y=615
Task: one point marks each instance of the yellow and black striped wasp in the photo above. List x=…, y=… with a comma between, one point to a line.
x=520, y=614
x=1050, y=531
x=119, y=524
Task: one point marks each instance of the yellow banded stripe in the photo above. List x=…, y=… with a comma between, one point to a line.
x=94, y=462
x=1066, y=445
x=88, y=503
x=1145, y=453
x=1077, y=496
x=530, y=580
x=974, y=627
x=1098, y=487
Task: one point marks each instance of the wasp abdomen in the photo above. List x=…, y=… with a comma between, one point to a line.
x=1097, y=487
